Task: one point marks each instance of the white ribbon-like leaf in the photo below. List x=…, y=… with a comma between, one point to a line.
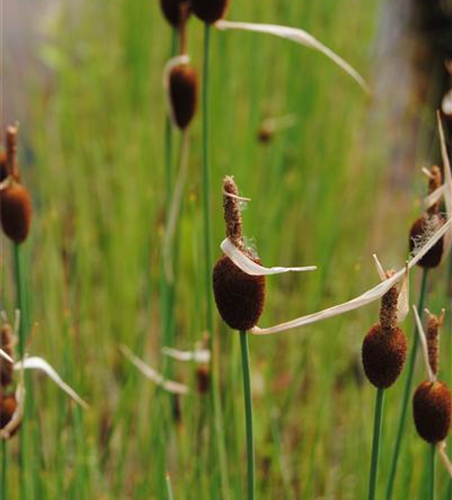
x=298, y=36
x=151, y=374
x=35, y=363
x=6, y=356
x=368, y=297
x=250, y=267
x=201, y=356
x=423, y=339
x=446, y=168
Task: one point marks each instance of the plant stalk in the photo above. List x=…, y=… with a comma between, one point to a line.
x=407, y=391
x=207, y=233
x=21, y=306
x=378, y=419
x=432, y=494
x=248, y=413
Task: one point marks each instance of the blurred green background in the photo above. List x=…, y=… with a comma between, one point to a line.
x=342, y=183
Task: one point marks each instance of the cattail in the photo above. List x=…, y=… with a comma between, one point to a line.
x=183, y=93
x=239, y=296
x=432, y=410
x=15, y=201
x=8, y=405
x=16, y=210
x=428, y=224
x=175, y=11
x=209, y=11
x=384, y=348
x=7, y=344
x=432, y=399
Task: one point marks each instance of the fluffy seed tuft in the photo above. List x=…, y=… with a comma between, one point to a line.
x=420, y=231
x=432, y=411
x=383, y=355
x=183, y=93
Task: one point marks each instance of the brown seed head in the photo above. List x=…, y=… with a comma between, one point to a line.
x=384, y=355
x=431, y=411
x=175, y=11
x=232, y=213
x=209, y=11
x=388, y=308
x=7, y=344
x=424, y=226
x=203, y=379
x=15, y=211
x=239, y=297
x=8, y=405
x=183, y=92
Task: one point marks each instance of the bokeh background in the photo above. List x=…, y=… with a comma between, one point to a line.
x=84, y=78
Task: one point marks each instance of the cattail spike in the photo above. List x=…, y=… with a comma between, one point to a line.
x=435, y=181
x=434, y=323
x=11, y=149
x=389, y=303
x=232, y=212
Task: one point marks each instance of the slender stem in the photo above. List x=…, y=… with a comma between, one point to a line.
x=20, y=304
x=20, y=300
x=169, y=488
x=248, y=412
x=206, y=182
x=218, y=428
x=432, y=494
x=378, y=418
x=169, y=135
x=4, y=471
x=167, y=288
x=407, y=392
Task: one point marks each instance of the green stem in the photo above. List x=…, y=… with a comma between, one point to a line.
x=4, y=471
x=20, y=301
x=248, y=412
x=432, y=494
x=378, y=418
x=169, y=135
x=206, y=182
x=207, y=231
x=407, y=392
x=169, y=488
x=20, y=305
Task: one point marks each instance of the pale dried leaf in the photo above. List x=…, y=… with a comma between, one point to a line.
x=36, y=363
x=151, y=374
x=368, y=297
x=250, y=267
x=298, y=36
